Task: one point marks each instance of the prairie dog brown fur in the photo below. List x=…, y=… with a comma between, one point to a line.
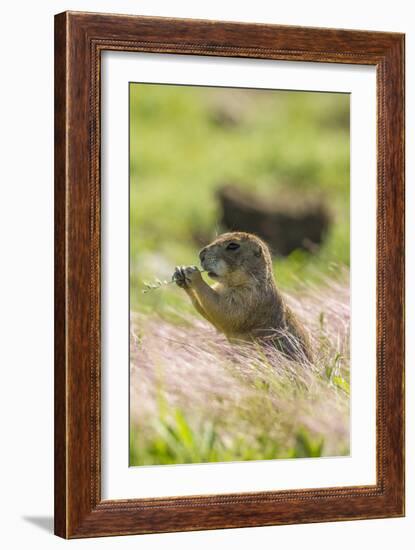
x=244, y=302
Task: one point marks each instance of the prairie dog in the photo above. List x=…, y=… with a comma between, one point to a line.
x=244, y=302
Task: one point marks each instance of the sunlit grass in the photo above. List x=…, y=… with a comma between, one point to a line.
x=197, y=398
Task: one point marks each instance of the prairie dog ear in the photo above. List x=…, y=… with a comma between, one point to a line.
x=258, y=251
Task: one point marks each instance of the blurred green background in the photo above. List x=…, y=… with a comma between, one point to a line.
x=187, y=141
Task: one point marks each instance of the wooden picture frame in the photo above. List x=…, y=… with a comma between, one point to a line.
x=79, y=40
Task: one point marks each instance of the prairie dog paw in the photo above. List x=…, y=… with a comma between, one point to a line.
x=184, y=276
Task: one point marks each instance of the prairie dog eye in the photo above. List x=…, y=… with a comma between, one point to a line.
x=232, y=246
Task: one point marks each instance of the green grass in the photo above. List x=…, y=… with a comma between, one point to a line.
x=180, y=155
x=174, y=441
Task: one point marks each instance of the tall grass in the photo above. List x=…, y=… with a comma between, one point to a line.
x=197, y=398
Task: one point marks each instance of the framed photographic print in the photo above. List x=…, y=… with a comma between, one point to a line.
x=229, y=275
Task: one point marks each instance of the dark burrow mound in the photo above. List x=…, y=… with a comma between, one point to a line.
x=286, y=220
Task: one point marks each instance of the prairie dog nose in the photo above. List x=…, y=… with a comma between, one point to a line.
x=202, y=254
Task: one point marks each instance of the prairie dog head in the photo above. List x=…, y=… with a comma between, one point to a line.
x=237, y=259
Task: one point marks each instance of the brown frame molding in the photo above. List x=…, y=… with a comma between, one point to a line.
x=79, y=40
